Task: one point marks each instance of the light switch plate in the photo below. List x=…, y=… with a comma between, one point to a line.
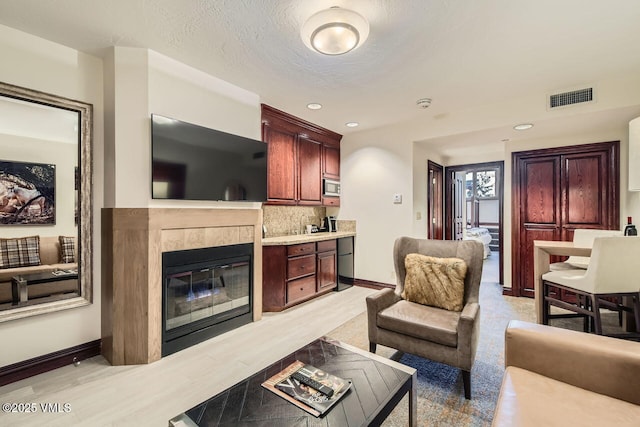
x=397, y=198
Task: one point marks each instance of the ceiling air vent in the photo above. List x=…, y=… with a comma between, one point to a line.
x=570, y=98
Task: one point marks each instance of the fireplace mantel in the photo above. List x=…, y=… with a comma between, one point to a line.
x=133, y=240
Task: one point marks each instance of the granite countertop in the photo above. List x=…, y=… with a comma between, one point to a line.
x=305, y=238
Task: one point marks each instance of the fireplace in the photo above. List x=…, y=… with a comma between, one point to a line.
x=205, y=292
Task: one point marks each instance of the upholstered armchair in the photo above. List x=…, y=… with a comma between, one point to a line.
x=444, y=336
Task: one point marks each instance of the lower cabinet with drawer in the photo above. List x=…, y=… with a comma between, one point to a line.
x=300, y=289
x=292, y=274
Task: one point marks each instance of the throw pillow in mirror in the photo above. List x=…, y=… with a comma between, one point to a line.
x=67, y=249
x=20, y=252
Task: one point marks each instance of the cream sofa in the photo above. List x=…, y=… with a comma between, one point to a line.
x=557, y=377
x=49, y=261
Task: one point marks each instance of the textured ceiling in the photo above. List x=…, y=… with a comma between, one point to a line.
x=462, y=54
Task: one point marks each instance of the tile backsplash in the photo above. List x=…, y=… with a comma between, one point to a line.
x=346, y=225
x=287, y=220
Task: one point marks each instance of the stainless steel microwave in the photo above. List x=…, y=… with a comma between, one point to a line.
x=330, y=188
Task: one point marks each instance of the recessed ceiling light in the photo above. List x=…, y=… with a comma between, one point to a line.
x=523, y=126
x=352, y=124
x=314, y=106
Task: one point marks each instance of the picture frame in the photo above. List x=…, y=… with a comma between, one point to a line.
x=27, y=193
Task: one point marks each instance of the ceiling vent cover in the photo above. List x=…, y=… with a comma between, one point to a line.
x=570, y=98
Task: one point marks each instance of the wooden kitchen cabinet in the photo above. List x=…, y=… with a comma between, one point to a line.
x=327, y=269
x=301, y=266
x=300, y=290
x=331, y=169
x=309, y=172
x=300, y=154
x=295, y=273
x=281, y=167
x=331, y=161
x=331, y=201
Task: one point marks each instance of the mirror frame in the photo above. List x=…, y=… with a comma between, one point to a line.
x=85, y=200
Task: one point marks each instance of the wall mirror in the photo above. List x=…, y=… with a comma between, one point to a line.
x=45, y=203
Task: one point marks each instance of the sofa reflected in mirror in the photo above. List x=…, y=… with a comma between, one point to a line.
x=45, y=203
x=49, y=270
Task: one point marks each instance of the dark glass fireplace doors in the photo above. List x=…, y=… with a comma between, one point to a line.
x=205, y=292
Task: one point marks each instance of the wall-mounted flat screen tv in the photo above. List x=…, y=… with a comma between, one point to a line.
x=193, y=162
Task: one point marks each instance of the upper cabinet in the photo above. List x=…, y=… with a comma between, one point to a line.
x=634, y=154
x=331, y=161
x=331, y=170
x=300, y=155
x=281, y=165
x=309, y=167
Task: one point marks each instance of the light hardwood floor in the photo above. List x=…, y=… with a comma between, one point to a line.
x=149, y=395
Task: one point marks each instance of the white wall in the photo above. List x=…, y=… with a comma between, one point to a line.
x=473, y=157
x=373, y=167
x=35, y=63
x=421, y=156
x=129, y=139
x=375, y=163
x=141, y=82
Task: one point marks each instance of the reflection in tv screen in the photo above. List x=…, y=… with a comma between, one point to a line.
x=197, y=163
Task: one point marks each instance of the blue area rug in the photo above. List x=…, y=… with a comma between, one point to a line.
x=441, y=399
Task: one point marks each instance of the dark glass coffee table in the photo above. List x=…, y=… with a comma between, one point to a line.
x=378, y=385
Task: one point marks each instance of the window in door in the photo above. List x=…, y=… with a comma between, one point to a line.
x=482, y=197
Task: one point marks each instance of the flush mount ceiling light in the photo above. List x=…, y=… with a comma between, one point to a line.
x=314, y=106
x=523, y=126
x=352, y=124
x=335, y=31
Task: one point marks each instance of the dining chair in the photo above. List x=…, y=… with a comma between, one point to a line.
x=611, y=272
x=582, y=237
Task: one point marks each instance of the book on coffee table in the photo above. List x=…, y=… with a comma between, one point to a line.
x=303, y=396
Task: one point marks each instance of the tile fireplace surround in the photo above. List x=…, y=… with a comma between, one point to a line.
x=132, y=244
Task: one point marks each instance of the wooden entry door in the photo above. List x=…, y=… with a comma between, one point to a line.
x=556, y=191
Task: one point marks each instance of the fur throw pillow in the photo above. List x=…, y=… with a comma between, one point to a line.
x=437, y=282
